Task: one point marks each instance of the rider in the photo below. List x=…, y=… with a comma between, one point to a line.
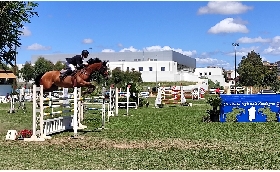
x=75, y=62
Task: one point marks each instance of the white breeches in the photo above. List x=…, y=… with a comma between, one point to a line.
x=70, y=66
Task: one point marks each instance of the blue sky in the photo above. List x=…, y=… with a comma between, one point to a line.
x=203, y=30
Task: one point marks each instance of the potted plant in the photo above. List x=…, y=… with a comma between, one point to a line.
x=214, y=113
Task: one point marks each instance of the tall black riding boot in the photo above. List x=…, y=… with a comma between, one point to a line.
x=66, y=73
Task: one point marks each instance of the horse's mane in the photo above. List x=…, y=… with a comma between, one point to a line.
x=95, y=60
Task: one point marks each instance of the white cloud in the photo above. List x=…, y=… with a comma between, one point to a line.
x=165, y=48
x=274, y=47
x=131, y=49
x=87, y=41
x=108, y=51
x=247, y=40
x=244, y=51
x=158, y=48
x=263, y=58
x=229, y=25
x=224, y=7
x=205, y=59
x=37, y=46
x=211, y=62
x=275, y=42
x=26, y=31
x=120, y=45
x=272, y=50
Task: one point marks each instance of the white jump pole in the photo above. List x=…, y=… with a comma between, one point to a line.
x=103, y=112
x=34, y=126
x=116, y=102
x=12, y=104
x=75, y=116
x=41, y=98
x=127, y=99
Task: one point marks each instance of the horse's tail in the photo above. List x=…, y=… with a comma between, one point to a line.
x=37, y=79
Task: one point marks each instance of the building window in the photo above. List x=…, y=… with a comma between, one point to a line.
x=205, y=73
x=135, y=59
x=140, y=68
x=118, y=68
x=127, y=68
x=209, y=73
x=200, y=74
x=155, y=59
x=139, y=59
x=162, y=68
x=150, y=68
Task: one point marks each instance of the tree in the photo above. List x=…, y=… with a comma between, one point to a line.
x=13, y=16
x=42, y=65
x=270, y=78
x=27, y=72
x=117, y=78
x=4, y=67
x=250, y=70
x=59, y=65
x=120, y=78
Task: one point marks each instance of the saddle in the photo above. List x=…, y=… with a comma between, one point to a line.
x=62, y=72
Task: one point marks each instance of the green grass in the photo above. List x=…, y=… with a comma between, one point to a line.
x=151, y=139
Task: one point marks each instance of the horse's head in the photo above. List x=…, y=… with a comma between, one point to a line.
x=104, y=70
x=96, y=65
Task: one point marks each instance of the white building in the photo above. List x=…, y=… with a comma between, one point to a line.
x=152, y=71
x=215, y=74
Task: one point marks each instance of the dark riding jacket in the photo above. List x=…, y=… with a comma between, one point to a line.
x=76, y=61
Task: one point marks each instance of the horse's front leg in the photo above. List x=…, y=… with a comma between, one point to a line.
x=89, y=85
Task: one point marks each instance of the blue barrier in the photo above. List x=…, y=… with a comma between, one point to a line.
x=251, y=105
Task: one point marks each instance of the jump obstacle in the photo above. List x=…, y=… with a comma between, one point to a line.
x=177, y=96
x=58, y=124
x=20, y=99
x=113, y=105
x=112, y=108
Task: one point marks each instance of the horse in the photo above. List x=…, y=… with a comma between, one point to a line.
x=80, y=78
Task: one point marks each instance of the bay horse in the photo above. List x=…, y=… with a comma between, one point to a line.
x=80, y=78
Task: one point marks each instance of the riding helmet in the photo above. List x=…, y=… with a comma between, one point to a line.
x=85, y=52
